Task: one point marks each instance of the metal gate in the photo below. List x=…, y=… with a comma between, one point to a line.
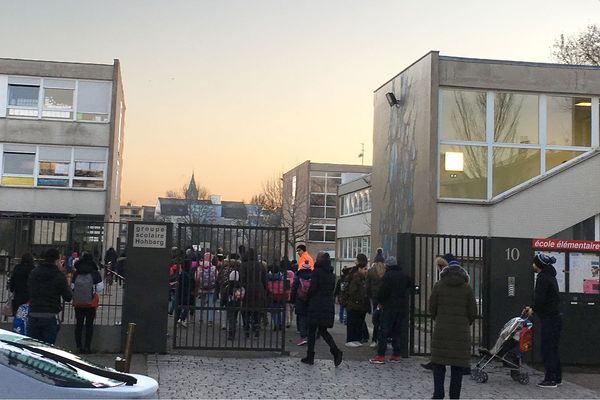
x=470, y=251
x=234, y=315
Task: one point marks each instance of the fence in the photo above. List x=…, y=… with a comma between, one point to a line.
x=237, y=312
x=470, y=250
x=34, y=235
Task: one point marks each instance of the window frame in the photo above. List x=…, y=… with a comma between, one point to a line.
x=490, y=144
x=362, y=199
x=324, y=231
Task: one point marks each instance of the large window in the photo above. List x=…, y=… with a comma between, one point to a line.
x=323, y=193
x=356, y=202
x=321, y=233
x=62, y=99
x=53, y=166
x=492, y=142
x=350, y=247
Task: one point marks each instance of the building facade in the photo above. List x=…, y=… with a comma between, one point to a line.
x=487, y=147
x=61, y=138
x=353, y=234
x=310, y=203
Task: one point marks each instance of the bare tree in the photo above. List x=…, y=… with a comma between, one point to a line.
x=583, y=48
x=203, y=193
x=294, y=215
x=270, y=197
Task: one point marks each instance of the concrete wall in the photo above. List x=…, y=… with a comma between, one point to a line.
x=53, y=69
x=556, y=203
x=60, y=201
x=404, y=143
x=354, y=225
x=116, y=143
x=54, y=132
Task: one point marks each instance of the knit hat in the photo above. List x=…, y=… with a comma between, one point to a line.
x=390, y=261
x=543, y=260
x=379, y=256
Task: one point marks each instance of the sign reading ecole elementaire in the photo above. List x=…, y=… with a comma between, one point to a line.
x=150, y=236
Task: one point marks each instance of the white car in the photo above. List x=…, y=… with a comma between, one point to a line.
x=33, y=369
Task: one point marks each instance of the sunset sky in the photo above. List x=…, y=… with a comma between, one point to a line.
x=239, y=91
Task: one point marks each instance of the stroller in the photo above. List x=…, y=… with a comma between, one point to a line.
x=515, y=339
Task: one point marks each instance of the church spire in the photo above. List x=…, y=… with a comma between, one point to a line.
x=192, y=190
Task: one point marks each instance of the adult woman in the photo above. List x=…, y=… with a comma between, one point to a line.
x=321, y=309
x=18, y=281
x=453, y=308
x=373, y=282
x=358, y=306
x=86, y=284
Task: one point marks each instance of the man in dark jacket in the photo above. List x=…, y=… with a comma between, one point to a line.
x=253, y=278
x=392, y=300
x=46, y=287
x=545, y=305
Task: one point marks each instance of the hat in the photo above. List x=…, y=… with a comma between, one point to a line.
x=449, y=257
x=543, y=260
x=391, y=260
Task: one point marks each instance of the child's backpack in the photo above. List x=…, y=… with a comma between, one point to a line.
x=276, y=287
x=208, y=278
x=238, y=294
x=83, y=291
x=20, y=321
x=343, y=295
x=303, y=286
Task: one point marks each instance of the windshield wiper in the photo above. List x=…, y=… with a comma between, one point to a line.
x=117, y=376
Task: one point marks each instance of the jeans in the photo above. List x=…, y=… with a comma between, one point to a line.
x=439, y=375
x=312, y=333
x=208, y=300
x=551, y=327
x=343, y=315
x=376, y=318
x=44, y=329
x=303, y=325
x=354, y=328
x=277, y=316
x=84, y=316
x=232, y=318
x=391, y=326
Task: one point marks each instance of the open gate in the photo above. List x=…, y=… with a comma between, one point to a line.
x=214, y=317
x=470, y=251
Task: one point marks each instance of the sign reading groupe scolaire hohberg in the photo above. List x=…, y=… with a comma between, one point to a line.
x=150, y=236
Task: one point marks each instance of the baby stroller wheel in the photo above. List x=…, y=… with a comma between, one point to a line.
x=481, y=377
x=524, y=378
x=515, y=375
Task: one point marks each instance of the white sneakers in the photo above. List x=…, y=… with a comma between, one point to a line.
x=373, y=344
x=182, y=323
x=353, y=344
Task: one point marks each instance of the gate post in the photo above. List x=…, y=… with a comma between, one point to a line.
x=146, y=297
x=404, y=256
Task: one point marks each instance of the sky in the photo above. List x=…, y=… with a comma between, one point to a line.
x=240, y=91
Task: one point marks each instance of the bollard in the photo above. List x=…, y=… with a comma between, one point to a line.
x=123, y=364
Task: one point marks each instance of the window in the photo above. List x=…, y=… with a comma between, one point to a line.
x=18, y=165
x=90, y=164
x=350, y=247
x=321, y=233
x=93, y=101
x=23, y=97
x=491, y=142
x=58, y=99
x=54, y=166
x=356, y=202
x=323, y=188
x=49, y=232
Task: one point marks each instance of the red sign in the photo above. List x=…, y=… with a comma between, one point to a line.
x=562, y=245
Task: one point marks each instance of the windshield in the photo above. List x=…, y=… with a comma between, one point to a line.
x=19, y=353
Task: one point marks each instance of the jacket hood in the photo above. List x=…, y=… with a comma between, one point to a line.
x=85, y=267
x=324, y=266
x=454, y=276
x=549, y=270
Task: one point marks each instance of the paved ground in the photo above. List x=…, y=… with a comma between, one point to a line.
x=184, y=376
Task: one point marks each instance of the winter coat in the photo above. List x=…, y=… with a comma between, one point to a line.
x=300, y=306
x=357, y=294
x=321, y=307
x=253, y=278
x=18, y=285
x=305, y=257
x=46, y=287
x=373, y=283
x=453, y=308
x=185, y=287
x=393, y=293
x=546, y=298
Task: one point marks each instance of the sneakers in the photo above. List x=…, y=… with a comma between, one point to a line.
x=353, y=344
x=395, y=359
x=301, y=342
x=182, y=323
x=547, y=384
x=377, y=360
x=373, y=344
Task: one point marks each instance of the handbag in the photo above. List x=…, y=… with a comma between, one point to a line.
x=7, y=310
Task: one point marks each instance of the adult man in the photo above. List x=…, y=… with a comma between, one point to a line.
x=392, y=301
x=545, y=305
x=304, y=257
x=46, y=287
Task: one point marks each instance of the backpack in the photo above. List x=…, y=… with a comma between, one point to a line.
x=303, y=286
x=275, y=287
x=83, y=291
x=343, y=295
x=20, y=321
x=208, y=278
